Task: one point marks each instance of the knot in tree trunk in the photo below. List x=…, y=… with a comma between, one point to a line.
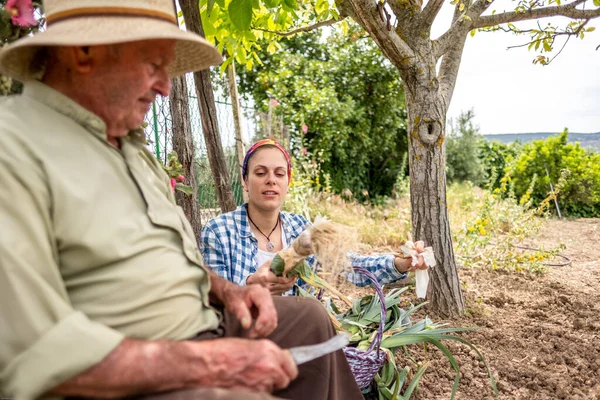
x=429, y=130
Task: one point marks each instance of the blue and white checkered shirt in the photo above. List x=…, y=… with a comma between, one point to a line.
x=229, y=248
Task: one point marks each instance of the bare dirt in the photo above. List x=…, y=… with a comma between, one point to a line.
x=540, y=334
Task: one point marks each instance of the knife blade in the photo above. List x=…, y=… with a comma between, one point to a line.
x=302, y=354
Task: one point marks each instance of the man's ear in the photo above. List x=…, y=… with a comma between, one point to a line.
x=83, y=58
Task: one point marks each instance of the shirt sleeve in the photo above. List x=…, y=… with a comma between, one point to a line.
x=381, y=266
x=213, y=253
x=43, y=340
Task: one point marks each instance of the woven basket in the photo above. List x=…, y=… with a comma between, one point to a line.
x=366, y=363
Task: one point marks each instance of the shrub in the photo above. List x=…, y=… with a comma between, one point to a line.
x=494, y=157
x=580, y=197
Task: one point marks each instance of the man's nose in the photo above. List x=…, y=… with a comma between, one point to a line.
x=163, y=84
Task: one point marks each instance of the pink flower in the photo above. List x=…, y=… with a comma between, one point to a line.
x=304, y=151
x=173, y=184
x=305, y=128
x=274, y=102
x=21, y=12
x=180, y=178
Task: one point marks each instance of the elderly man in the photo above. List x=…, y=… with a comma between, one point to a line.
x=102, y=289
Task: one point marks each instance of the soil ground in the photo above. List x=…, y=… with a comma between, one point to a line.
x=540, y=334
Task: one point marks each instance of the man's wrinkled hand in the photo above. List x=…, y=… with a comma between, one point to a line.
x=251, y=303
x=257, y=365
x=277, y=285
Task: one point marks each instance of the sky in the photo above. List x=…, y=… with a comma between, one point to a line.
x=510, y=94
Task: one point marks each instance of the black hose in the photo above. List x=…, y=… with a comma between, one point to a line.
x=565, y=264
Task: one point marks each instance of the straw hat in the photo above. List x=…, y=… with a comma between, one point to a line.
x=96, y=22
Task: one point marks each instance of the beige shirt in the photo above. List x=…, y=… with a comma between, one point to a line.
x=92, y=245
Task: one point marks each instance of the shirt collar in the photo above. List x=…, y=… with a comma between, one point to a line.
x=243, y=223
x=62, y=104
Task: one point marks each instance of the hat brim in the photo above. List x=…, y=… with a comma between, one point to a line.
x=192, y=52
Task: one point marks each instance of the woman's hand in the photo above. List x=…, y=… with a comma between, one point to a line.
x=277, y=285
x=404, y=264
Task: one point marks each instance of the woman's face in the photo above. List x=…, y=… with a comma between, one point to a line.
x=267, y=179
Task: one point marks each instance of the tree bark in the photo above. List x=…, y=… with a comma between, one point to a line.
x=429, y=212
x=183, y=144
x=237, y=121
x=208, y=114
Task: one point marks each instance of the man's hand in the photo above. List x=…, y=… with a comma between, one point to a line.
x=139, y=366
x=276, y=284
x=246, y=303
x=404, y=264
x=258, y=365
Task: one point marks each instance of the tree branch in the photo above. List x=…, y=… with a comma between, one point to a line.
x=308, y=28
x=407, y=13
x=449, y=69
x=365, y=12
x=431, y=10
x=460, y=26
x=567, y=10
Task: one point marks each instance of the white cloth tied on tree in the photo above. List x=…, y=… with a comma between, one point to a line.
x=421, y=275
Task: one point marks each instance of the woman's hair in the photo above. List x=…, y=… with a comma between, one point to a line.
x=266, y=143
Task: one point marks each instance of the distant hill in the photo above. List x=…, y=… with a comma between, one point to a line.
x=586, y=140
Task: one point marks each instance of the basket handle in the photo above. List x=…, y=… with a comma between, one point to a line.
x=377, y=341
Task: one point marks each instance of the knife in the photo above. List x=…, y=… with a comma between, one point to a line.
x=302, y=354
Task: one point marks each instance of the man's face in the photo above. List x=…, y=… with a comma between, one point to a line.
x=127, y=79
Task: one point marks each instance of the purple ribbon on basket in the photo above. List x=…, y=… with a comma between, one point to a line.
x=366, y=364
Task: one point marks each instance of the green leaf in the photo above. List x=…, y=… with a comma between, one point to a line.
x=414, y=381
x=209, y=28
x=223, y=68
x=597, y=3
x=209, y=6
x=240, y=12
x=271, y=3
x=547, y=46
x=591, y=29
x=291, y=4
x=184, y=188
x=272, y=47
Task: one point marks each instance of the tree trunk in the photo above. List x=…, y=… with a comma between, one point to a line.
x=208, y=114
x=183, y=144
x=427, y=122
x=406, y=44
x=237, y=121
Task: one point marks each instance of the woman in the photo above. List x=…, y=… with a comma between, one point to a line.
x=240, y=245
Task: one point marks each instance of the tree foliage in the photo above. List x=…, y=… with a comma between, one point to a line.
x=243, y=28
x=343, y=103
x=463, y=148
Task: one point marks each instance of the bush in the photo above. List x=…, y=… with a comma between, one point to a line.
x=580, y=196
x=494, y=157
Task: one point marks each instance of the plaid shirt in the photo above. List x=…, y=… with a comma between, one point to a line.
x=229, y=248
